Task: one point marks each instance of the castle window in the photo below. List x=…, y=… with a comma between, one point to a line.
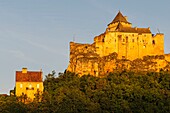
x=38, y=86
x=30, y=86
x=133, y=35
x=123, y=40
x=20, y=85
x=27, y=88
x=153, y=42
x=126, y=39
x=119, y=36
x=123, y=57
x=115, y=40
x=103, y=40
x=86, y=47
x=95, y=72
x=133, y=40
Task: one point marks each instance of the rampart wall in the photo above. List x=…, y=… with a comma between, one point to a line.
x=84, y=60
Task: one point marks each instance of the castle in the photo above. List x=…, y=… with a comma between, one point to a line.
x=119, y=42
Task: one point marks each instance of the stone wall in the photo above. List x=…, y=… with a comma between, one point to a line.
x=25, y=88
x=100, y=66
x=129, y=45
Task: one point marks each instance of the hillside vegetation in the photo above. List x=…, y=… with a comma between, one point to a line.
x=116, y=93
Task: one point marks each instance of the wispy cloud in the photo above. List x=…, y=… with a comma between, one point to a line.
x=17, y=54
x=44, y=47
x=39, y=45
x=26, y=37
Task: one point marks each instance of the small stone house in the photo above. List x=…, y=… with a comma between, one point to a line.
x=29, y=83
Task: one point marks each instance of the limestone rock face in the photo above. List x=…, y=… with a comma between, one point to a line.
x=120, y=47
x=100, y=66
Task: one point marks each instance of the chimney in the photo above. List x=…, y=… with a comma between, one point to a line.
x=24, y=70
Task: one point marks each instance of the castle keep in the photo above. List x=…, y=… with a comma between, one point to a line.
x=122, y=47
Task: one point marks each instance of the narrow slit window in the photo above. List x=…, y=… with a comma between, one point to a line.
x=38, y=86
x=133, y=40
x=20, y=85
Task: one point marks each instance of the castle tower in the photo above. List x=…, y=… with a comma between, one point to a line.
x=127, y=41
x=119, y=41
x=119, y=19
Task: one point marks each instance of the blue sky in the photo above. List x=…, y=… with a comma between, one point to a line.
x=36, y=33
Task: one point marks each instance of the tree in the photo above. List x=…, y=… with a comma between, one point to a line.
x=11, y=105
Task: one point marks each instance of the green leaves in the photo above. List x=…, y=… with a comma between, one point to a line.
x=116, y=92
x=11, y=105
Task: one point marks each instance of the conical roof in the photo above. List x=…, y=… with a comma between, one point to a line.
x=119, y=18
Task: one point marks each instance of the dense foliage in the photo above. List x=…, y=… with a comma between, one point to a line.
x=117, y=93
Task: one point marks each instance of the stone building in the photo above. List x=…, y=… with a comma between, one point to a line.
x=28, y=84
x=119, y=41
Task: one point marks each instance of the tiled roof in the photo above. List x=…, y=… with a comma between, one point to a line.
x=120, y=28
x=119, y=18
x=30, y=76
x=135, y=30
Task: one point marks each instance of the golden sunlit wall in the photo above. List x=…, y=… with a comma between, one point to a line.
x=29, y=88
x=121, y=38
